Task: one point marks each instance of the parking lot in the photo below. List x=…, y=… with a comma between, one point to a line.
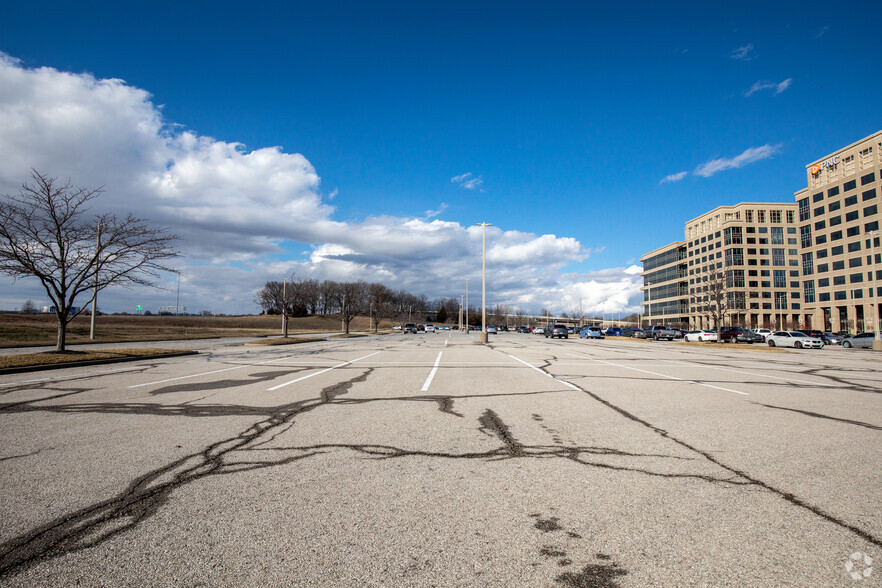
x=432, y=460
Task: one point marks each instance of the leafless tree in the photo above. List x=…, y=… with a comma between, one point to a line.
x=29, y=307
x=380, y=303
x=715, y=287
x=44, y=233
x=352, y=301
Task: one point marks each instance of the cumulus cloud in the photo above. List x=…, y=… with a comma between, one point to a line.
x=748, y=156
x=674, y=177
x=468, y=181
x=765, y=85
x=239, y=210
x=744, y=53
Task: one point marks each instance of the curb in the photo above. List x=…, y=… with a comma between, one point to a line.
x=67, y=364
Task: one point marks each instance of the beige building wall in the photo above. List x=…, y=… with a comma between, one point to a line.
x=755, y=245
x=839, y=237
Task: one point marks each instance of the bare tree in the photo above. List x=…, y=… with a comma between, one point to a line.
x=352, y=301
x=44, y=234
x=29, y=307
x=380, y=303
x=715, y=288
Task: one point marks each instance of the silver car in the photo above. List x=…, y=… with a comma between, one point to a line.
x=859, y=340
x=794, y=339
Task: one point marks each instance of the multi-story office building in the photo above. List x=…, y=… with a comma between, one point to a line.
x=839, y=238
x=816, y=263
x=743, y=259
x=665, y=289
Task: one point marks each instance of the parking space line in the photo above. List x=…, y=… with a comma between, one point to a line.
x=544, y=373
x=675, y=378
x=428, y=383
x=238, y=367
x=713, y=367
x=321, y=372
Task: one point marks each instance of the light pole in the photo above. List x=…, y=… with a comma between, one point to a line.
x=460, y=312
x=95, y=292
x=877, y=341
x=484, y=280
x=467, y=307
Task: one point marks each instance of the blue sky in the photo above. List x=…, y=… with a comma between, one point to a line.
x=561, y=119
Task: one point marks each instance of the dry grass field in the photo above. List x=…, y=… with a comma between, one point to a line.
x=29, y=330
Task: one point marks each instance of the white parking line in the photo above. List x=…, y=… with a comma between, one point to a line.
x=713, y=367
x=70, y=377
x=238, y=367
x=428, y=383
x=544, y=373
x=674, y=378
x=321, y=372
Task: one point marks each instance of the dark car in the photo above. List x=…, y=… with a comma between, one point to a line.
x=559, y=331
x=630, y=332
x=410, y=328
x=523, y=330
x=614, y=332
x=736, y=335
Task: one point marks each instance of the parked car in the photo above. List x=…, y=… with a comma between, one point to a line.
x=591, y=333
x=793, y=339
x=571, y=330
x=523, y=330
x=396, y=328
x=656, y=332
x=559, y=331
x=833, y=338
x=631, y=332
x=538, y=330
x=614, y=332
x=735, y=335
x=763, y=333
x=492, y=330
x=701, y=336
x=421, y=328
x=410, y=328
x=430, y=328
x=859, y=340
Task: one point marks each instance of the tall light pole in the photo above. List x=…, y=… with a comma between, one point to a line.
x=467, y=307
x=460, y=312
x=877, y=341
x=95, y=292
x=484, y=280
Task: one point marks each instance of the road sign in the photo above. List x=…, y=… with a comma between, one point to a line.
x=139, y=307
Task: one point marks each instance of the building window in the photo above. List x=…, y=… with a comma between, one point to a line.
x=790, y=216
x=775, y=216
x=820, y=225
x=805, y=235
x=849, y=185
x=820, y=239
x=869, y=195
x=823, y=268
x=818, y=197
x=824, y=297
x=834, y=206
x=780, y=279
x=832, y=191
x=777, y=256
x=838, y=280
x=838, y=265
x=839, y=295
x=856, y=246
x=777, y=235
x=803, y=211
x=856, y=262
x=780, y=300
x=808, y=264
x=853, y=231
x=851, y=200
x=873, y=226
x=823, y=282
x=870, y=211
x=821, y=253
x=836, y=235
x=867, y=179
x=850, y=216
x=760, y=216
x=819, y=211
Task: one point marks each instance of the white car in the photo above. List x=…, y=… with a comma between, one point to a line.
x=430, y=328
x=701, y=336
x=794, y=339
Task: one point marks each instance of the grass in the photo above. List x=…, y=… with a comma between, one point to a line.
x=735, y=346
x=51, y=358
x=285, y=341
x=31, y=330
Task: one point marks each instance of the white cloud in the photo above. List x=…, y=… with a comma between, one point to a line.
x=748, y=156
x=239, y=210
x=744, y=53
x=764, y=85
x=468, y=181
x=674, y=177
x=822, y=32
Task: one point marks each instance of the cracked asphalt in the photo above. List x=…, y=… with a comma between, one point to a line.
x=432, y=460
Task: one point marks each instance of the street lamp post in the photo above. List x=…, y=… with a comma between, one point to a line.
x=484, y=280
x=877, y=341
x=467, y=307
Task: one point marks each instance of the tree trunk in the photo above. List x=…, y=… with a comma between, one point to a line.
x=62, y=333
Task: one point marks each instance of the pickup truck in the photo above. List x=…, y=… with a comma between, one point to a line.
x=656, y=332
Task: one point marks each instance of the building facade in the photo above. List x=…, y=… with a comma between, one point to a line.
x=815, y=263
x=665, y=286
x=839, y=238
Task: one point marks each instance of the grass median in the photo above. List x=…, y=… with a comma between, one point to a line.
x=52, y=358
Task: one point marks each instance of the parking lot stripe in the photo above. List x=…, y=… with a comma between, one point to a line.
x=321, y=372
x=544, y=373
x=238, y=367
x=713, y=367
x=428, y=383
x=674, y=378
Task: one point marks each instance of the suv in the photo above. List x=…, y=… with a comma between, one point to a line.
x=656, y=332
x=556, y=331
x=736, y=335
x=430, y=328
x=410, y=328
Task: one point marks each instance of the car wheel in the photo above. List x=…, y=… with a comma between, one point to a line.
x=798, y=345
x=771, y=343
x=566, y=336
x=700, y=340
x=847, y=344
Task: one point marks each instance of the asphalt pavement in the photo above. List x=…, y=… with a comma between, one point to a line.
x=434, y=460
